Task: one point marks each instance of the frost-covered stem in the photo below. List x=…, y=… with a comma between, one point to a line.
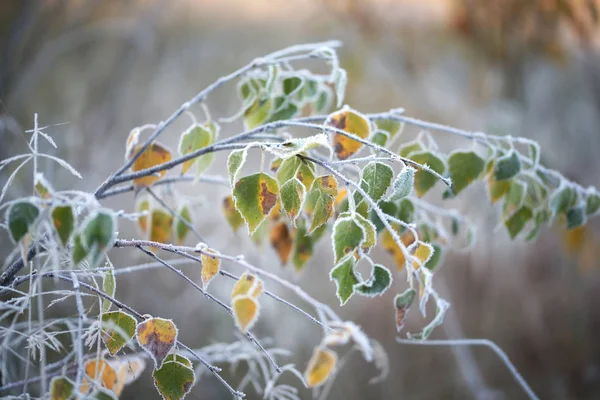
x=175, y=214
x=78, y=342
x=249, y=335
x=477, y=342
x=35, y=145
x=182, y=250
x=274, y=58
x=218, y=180
x=40, y=312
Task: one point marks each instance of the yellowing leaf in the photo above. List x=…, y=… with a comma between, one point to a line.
x=319, y=200
x=281, y=240
x=232, y=214
x=390, y=245
x=320, y=367
x=255, y=196
x=210, y=267
x=157, y=336
x=351, y=122
x=161, y=228
x=423, y=253
x=155, y=154
x=101, y=372
x=182, y=229
x=342, y=193
x=64, y=222
x=245, y=311
x=118, y=328
x=195, y=138
x=174, y=379
x=248, y=284
x=497, y=189
x=42, y=187
x=132, y=142
x=128, y=370
x=61, y=388
x=142, y=205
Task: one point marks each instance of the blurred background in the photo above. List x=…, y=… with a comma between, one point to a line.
x=526, y=68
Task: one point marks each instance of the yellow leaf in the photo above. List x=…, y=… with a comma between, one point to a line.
x=101, y=372
x=340, y=196
x=497, y=189
x=245, y=311
x=231, y=213
x=128, y=370
x=155, y=154
x=321, y=365
x=281, y=240
x=161, y=229
x=157, y=336
x=248, y=284
x=388, y=243
x=210, y=267
x=132, y=141
x=351, y=122
x=423, y=253
x=143, y=204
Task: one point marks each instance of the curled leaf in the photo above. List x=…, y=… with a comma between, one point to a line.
x=402, y=303
x=380, y=281
x=320, y=367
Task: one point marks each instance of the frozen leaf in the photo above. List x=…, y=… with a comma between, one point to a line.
x=109, y=286
x=353, y=123
x=128, y=370
x=339, y=82
x=319, y=200
x=370, y=233
x=64, y=222
x=174, y=379
x=245, y=311
x=347, y=236
x=181, y=229
x=423, y=179
x=101, y=372
x=507, y=166
x=249, y=89
x=232, y=214
x=423, y=253
x=161, y=226
x=392, y=247
x=281, y=240
x=320, y=367
x=516, y=222
x=414, y=146
x=345, y=278
x=576, y=217
x=324, y=100
x=562, y=199
x=293, y=147
x=196, y=138
x=98, y=233
x=61, y=388
x=441, y=308
x=257, y=113
x=404, y=183
x=291, y=84
x=248, y=285
x=435, y=258
x=283, y=109
x=157, y=336
x=142, y=205
x=154, y=155
x=388, y=125
x=497, y=189
x=380, y=138
x=592, y=204
x=304, y=243
x=380, y=281
x=132, y=142
x=118, y=328
x=255, y=196
x=464, y=167
x=42, y=188
x=20, y=217
x=388, y=208
x=79, y=251
x=376, y=180
x=235, y=161
x=292, y=197
x=402, y=303
x=296, y=167
x=540, y=218
x=211, y=265
x=514, y=198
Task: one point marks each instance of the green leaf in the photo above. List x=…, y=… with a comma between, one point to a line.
x=388, y=208
x=324, y=100
x=249, y=89
x=414, y=146
x=514, y=198
x=181, y=229
x=61, y=388
x=292, y=196
x=377, y=285
x=257, y=113
x=283, y=110
x=345, y=278
x=235, y=161
x=20, y=218
x=100, y=394
x=404, y=183
x=109, y=285
x=441, y=308
x=309, y=90
x=303, y=245
x=388, y=125
x=540, y=218
x=402, y=303
x=79, y=250
x=255, y=196
x=562, y=199
x=296, y=167
x=464, y=167
x=423, y=179
x=64, y=222
x=516, y=222
x=592, y=204
x=196, y=138
x=174, y=380
x=118, y=328
x=507, y=166
x=380, y=138
x=319, y=200
x=406, y=211
x=347, y=236
x=98, y=233
x=376, y=180
x=370, y=233
x=576, y=217
x=435, y=257
x=291, y=84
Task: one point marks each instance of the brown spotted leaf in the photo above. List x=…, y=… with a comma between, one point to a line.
x=255, y=196
x=157, y=336
x=353, y=123
x=281, y=239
